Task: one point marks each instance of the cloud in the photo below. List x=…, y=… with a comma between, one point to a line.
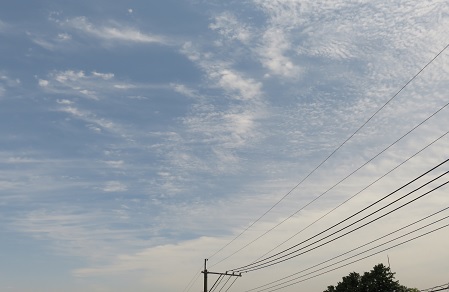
x=72, y=82
x=114, y=32
x=232, y=81
x=76, y=233
x=7, y=83
x=114, y=186
x=43, y=82
x=273, y=53
x=94, y=85
x=115, y=163
x=104, y=76
x=79, y=31
x=230, y=28
x=184, y=90
x=230, y=128
x=222, y=75
x=90, y=118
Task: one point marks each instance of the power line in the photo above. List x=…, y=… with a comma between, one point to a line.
x=336, y=184
x=264, y=261
x=353, y=196
x=216, y=284
x=352, y=262
x=235, y=279
x=291, y=256
x=192, y=281
x=333, y=152
x=437, y=288
x=224, y=285
x=359, y=247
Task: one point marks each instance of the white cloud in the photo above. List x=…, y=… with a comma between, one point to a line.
x=183, y=89
x=113, y=32
x=115, y=163
x=73, y=82
x=43, y=82
x=114, y=186
x=223, y=75
x=232, y=81
x=92, y=121
x=276, y=45
x=64, y=36
x=64, y=101
x=230, y=28
x=74, y=232
x=69, y=75
x=8, y=80
x=7, y=83
x=104, y=76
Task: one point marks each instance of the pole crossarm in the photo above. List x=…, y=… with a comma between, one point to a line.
x=206, y=272
x=223, y=274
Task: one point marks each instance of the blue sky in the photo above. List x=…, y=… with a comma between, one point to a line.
x=140, y=137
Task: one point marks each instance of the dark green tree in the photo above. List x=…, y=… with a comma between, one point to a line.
x=379, y=279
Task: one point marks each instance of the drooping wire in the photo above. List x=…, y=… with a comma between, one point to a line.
x=224, y=285
x=357, y=260
x=216, y=284
x=291, y=256
x=333, y=152
x=332, y=187
x=437, y=288
x=350, y=198
x=192, y=281
x=240, y=269
x=352, y=250
x=231, y=284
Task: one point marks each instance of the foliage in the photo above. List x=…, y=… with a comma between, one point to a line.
x=380, y=278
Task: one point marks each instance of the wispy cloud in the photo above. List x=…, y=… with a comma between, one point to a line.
x=111, y=32
x=92, y=120
x=6, y=82
x=92, y=85
x=227, y=25
x=114, y=186
x=228, y=129
x=78, y=233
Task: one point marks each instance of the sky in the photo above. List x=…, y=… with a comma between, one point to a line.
x=139, y=138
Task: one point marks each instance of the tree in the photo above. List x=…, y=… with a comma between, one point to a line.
x=380, y=278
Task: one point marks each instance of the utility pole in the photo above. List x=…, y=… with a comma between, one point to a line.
x=206, y=272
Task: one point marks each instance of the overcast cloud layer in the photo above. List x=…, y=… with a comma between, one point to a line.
x=141, y=137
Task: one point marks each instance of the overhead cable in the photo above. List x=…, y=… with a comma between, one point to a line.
x=224, y=285
x=333, y=152
x=352, y=262
x=332, y=187
x=295, y=254
x=231, y=284
x=437, y=288
x=192, y=281
x=357, y=248
x=353, y=196
x=383, y=198
x=216, y=284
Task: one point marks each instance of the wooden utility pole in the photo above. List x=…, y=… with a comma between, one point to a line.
x=206, y=272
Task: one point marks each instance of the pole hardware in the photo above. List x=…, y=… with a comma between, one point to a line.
x=206, y=272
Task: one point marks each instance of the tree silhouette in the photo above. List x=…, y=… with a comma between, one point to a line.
x=379, y=279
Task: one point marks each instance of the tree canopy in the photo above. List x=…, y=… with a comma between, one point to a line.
x=380, y=278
